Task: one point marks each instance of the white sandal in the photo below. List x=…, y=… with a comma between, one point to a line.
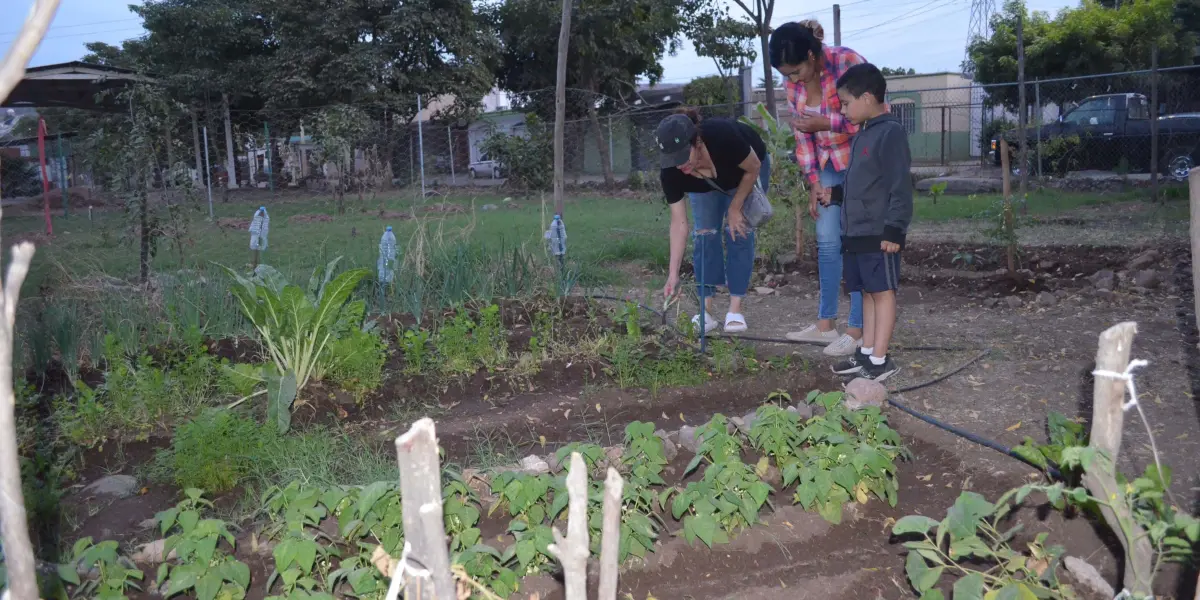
x=709, y=323
x=735, y=323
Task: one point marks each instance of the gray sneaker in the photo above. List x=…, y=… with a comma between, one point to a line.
x=843, y=346
x=812, y=335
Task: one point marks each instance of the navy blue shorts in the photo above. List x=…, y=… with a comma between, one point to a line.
x=871, y=272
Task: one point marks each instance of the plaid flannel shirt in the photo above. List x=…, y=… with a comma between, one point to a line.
x=815, y=150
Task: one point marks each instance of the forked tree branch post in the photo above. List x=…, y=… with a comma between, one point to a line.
x=573, y=550
x=610, y=530
x=1108, y=422
x=425, y=563
x=14, y=531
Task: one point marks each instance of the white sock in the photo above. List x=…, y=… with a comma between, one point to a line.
x=866, y=351
x=875, y=360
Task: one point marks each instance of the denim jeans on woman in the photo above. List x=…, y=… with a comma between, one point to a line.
x=729, y=264
x=829, y=255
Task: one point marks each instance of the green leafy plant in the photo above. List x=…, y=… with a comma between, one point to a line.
x=726, y=500
x=201, y=564
x=969, y=543
x=214, y=450
x=965, y=258
x=368, y=517
x=937, y=190
x=454, y=347
x=717, y=445
x=490, y=339
x=1062, y=433
x=295, y=325
x=525, y=496
x=355, y=361
x=115, y=575
x=530, y=548
x=414, y=343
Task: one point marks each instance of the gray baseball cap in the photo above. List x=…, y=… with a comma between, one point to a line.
x=675, y=134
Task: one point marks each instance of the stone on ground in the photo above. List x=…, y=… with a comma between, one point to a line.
x=1104, y=279
x=764, y=291
x=115, y=486
x=670, y=450
x=1014, y=302
x=1088, y=577
x=865, y=392
x=689, y=438
x=805, y=411
x=152, y=553
x=1046, y=299
x=534, y=465
x=1146, y=279
x=1143, y=260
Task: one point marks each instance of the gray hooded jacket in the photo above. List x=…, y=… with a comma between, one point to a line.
x=877, y=203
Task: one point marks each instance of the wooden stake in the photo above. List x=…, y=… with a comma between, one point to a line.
x=14, y=531
x=1023, y=114
x=573, y=550
x=1108, y=421
x=560, y=106
x=610, y=543
x=425, y=564
x=1006, y=177
x=1194, y=197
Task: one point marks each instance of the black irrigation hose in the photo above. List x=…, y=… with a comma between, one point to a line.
x=1051, y=469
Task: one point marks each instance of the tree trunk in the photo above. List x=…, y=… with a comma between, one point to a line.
x=768, y=78
x=230, y=162
x=560, y=107
x=199, y=178
x=573, y=550
x=602, y=146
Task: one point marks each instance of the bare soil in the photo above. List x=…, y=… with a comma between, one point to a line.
x=1041, y=356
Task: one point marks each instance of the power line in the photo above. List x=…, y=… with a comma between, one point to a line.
x=57, y=27
x=951, y=4
x=922, y=10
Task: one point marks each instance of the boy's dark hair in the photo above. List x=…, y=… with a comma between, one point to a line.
x=863, y=78
x=791, y=44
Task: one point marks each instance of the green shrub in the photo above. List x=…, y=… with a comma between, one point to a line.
x=527, y=159
x=214, y=451
x=415, y=345
x=355, y=361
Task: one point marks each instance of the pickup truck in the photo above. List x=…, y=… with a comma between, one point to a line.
x=1113, y=127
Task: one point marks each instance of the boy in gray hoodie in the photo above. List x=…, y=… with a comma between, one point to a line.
x=877, y=208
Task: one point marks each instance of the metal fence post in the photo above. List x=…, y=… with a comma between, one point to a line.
x=450, y=137
x=1037, y=99
x=943, y=134
x=1154, y=121
x=421, y=146
x=270, y=175
x=208, y=175
x=62, y=179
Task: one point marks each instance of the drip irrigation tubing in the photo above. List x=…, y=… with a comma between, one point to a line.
x=1051, y=469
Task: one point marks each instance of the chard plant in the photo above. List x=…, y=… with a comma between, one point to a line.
x=296, y=326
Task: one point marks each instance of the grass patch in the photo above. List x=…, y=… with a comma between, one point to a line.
x=321, y=457
x=1041, y=202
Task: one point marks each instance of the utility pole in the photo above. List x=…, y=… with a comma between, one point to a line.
x=1023, y=119
x=837, y=24
x=560, y=106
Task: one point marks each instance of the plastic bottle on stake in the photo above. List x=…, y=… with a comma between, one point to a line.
x=557, y=234
x=259, y=228
x=387, y=256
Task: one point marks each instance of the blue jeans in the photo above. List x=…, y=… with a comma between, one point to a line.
x=729, y=264
x=829, y=255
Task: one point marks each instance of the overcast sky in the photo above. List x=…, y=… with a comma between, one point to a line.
x=926, y=35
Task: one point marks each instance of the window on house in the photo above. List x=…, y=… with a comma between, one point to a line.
x=907, y=113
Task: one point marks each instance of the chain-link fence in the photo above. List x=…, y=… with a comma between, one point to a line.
x=374, y=153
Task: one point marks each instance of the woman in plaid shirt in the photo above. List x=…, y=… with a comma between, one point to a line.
x=823, y=153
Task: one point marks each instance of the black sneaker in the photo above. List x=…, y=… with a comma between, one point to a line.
x=852, y=365
x=876, y=372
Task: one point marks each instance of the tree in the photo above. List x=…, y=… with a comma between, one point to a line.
x=1087, y=40
x=760, y=18
x=713, y=90
x=729, y=43
x=613, y=44
x=890, y=72
x=762, y=83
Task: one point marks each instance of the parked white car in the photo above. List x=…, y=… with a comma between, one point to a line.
x=485, y=168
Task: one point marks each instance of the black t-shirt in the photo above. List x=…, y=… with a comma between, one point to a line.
x=729, y=142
